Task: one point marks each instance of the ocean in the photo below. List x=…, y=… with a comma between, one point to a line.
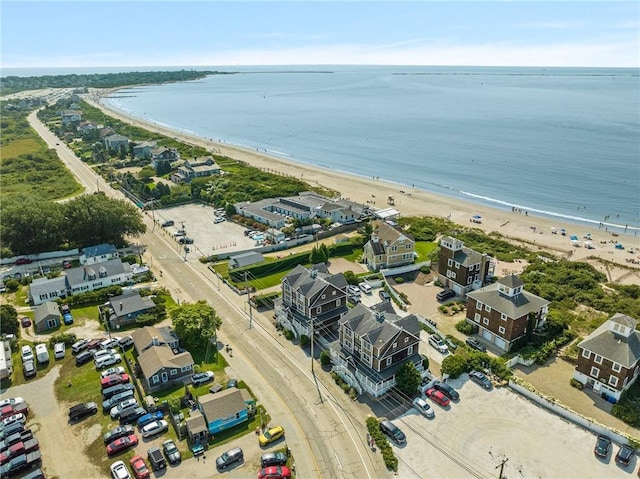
x=561, y=142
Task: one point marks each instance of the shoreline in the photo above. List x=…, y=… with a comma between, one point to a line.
x=517, y=226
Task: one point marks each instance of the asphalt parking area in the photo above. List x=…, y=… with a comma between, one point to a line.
x=472, y=437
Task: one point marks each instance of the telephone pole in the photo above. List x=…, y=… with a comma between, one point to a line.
x=246, y=285
x=501, y=466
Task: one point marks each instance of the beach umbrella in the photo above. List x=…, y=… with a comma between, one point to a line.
x=477, y=217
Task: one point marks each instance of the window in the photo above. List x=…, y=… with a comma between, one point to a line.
x=479, y=306
x=410, y=350
x=395, y=345
x=469, y=279
x=450, y=262
x=406, y=340
x=476, y=318
x=338, y=302
x=457, y=265
x=586, y=354
x=616, y=368
x=613, y=380
x=485, y=320
x=476, y=277
x=154, y=379
x=318, y=310
x=388, y=361
x=185, y=369
x=598, y=359
x=323, y=296
x=501, y=329
x=174, y=372
x=333, y=293
x=595, y=372
x=503, y=316
x=487, y=308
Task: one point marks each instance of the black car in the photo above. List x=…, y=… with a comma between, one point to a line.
x=473, y=343
x=229, y=457
x=384, y=296
x=168, y=223
x=393, y=432
x=444, y=295
x=82, y=410
x=603, y=446
x=131, y=416
x=185, y=240
x=625, y=454
x=117, y=432
x=171, y=451
x=447, y=390
x=156, y=459
x=481, y=379
x=273, y=459
x=83, y=358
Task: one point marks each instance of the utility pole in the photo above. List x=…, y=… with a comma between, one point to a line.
x=501, y=466
x=246, y=285
x=313, y=373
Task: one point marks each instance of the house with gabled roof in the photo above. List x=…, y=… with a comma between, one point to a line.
x=70, y=117
x=195, y=168
x=463, y=269
x=46, y=317
x=162, y=368
x=609, y=358
x=311, y=294
x=147, y=336
x=125, y=309
x=163, y=153
x=144, y=149
x=503, y=311
x=388, y=247
x=224, y=409
x=373, y=344
x=115, y=141
x=98, y=254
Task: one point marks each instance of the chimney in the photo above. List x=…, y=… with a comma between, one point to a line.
x=120, y=305
x=380, y=316
x=154, y=341
x=313, y=273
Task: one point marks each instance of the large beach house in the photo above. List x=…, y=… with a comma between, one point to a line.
x=462, y=269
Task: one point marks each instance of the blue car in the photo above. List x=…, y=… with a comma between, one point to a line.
x=68, y=319
x=149, y=418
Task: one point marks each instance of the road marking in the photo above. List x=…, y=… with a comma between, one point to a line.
x=338, y=460
x=312, y=411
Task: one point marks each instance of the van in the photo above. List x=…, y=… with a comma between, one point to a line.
x=58, y=350
x=42, y=355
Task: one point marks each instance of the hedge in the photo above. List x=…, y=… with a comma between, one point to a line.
x=390, y=459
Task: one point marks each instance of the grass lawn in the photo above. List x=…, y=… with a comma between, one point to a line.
x=17, y=377
x=424, y=249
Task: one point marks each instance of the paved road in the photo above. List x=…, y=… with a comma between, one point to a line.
x=326, y=438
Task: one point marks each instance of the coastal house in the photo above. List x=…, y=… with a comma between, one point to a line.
x=148, y=336
x=224, y=410
x=161, y=367
x=98, y=254
x=115, y=141
x=80, y=280
x=195, y=168
x=311, y=295
x=144, y=149
x=71, y=117
x=388, y=248
x=503, y=311
x=85, y=127
x=163, y=154
x=125, y=309
x=609, y=358
x=46, y=317
x=197, y=429
x=373, y=344
x=462, y=269
x=104, y=131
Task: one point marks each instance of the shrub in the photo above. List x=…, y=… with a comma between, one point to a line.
x=304, y=340
x=438, y=283
x=454, y=365
x=288, y=334
x=67, y=338
x=325, y=358
x=425, y=269
x=12, y=285
x=399, y=280
x=576, y=384
x=464, y=327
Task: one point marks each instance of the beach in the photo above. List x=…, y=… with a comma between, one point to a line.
x=517, y=225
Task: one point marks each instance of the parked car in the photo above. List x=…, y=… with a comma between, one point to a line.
x=110, y=371
x=121, y=444
x=171, y=451
x=218, y=219
x=423, y=408
x=384, y=296
x=139, y=467
x=35, y=474
x=82, y=410
x=447, y=390
x=42, y=353
x=27, y=354
x=274, y=472
x=229, y=457
x=67, y=264
x=67, y=318
x=438, y=397
x=103, y=353
x=21, y=463
x=79, y=346
x=156, y=459
x=83, y=358
x=365, y=288
x=110, y=344
x=29, y=369
x=625, y=453
x=116, y=410
x=119, y=470
x=11, y=401
x=603, y=446
x=7, y=421
x=481, y=379
x=12, y=409
x=393, y=432
x=271, y=435
x=130, y=416
x=446, y=294
x=21, y=261
x=93, y=344
x=107, y=361
x=15, y=438
x=65, y=308
x=25, y=322
x=437, y=342
x=199, y=379
x=167, y=223
x=149, y=418
x=125, y=342
x=117, y=432
x=113, y=380
x=59, y=350
x=116, y=393
x=273, y=459
x=185, y=240
x=233, y=383
x=22, y=447
x=353, y=290
x=473, y=343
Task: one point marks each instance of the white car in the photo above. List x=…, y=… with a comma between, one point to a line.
x=353, y=290
x=27, y=354
x=438, y=343
x=15, y=418
x=99, y=353
x=126, y=404
x=11, y=402
x=423, y=408
x=58, y=350
x=110, y=371
x=110, y=343
x=155, y=427
x=119, y=470
x=107, y=361
x=365, y=288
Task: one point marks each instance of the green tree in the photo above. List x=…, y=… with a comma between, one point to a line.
x=163, y=167
x=195, y=323
x=316, y=256
x=146, y=173
x=367, y=230
x=122, y=152
x=351, y=277
x=454, y=365
x=408, y=378
x=9, y=319
x=32, y=226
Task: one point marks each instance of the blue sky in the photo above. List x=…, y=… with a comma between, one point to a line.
x=203, y=33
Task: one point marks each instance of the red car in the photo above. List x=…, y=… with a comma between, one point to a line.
x=23, y=261
x=12, y=409
x=25, y=322
x=121, y=444
x=139, y=467
x=438, y=396
x=113, y=380
x=274, y=472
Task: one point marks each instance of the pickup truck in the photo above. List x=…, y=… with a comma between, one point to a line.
x=18, y=448
x=15, y=438
x=21, y=463
x=82, y=410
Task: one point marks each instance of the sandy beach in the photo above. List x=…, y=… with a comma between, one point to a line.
x=521, y=226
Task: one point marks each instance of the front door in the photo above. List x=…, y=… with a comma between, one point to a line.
x=164, y=377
